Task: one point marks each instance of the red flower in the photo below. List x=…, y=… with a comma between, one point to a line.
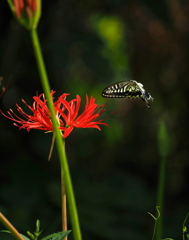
x=87, y=119
x=66, y=114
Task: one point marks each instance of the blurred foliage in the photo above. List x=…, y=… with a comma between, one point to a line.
x=88, y=45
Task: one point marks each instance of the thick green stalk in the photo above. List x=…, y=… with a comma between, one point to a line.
x=60, y=143
x=160, y=197
x=163, y=142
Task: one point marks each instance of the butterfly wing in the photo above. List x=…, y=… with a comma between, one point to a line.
x=133, y=89
x=130, y=89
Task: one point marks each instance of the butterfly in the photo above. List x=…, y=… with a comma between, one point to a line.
x=130, y=89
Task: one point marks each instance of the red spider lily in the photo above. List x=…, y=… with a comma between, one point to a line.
x=87, y=119
x=28, y=6
x=66, y=114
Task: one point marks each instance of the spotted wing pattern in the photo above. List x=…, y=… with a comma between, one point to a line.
x=129, y=89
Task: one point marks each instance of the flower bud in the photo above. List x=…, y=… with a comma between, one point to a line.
x=27, y=12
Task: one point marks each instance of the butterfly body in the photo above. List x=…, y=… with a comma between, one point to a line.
x=129, y=89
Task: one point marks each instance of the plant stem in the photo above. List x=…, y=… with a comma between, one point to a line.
x=52, y=146
x=63, y=192
x=60, y=142
x=163, y=141
x=160, y=196
x=10, y=227
x=71, y=198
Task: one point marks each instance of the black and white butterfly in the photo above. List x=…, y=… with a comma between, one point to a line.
x=130, y=89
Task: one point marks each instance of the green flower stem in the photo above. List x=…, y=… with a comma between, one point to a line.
x=163, y=142
x=60, y=142
x=160, y=196
x=10, y=227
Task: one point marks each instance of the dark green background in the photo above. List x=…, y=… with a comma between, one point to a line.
x=88, y=45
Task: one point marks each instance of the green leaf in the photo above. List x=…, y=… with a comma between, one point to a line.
x=6, y=231
x=24, y=237
x=57, y=236
x=31, y=235
x=61, y=236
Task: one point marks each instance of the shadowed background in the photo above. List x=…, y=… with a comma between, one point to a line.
x=88, y=45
